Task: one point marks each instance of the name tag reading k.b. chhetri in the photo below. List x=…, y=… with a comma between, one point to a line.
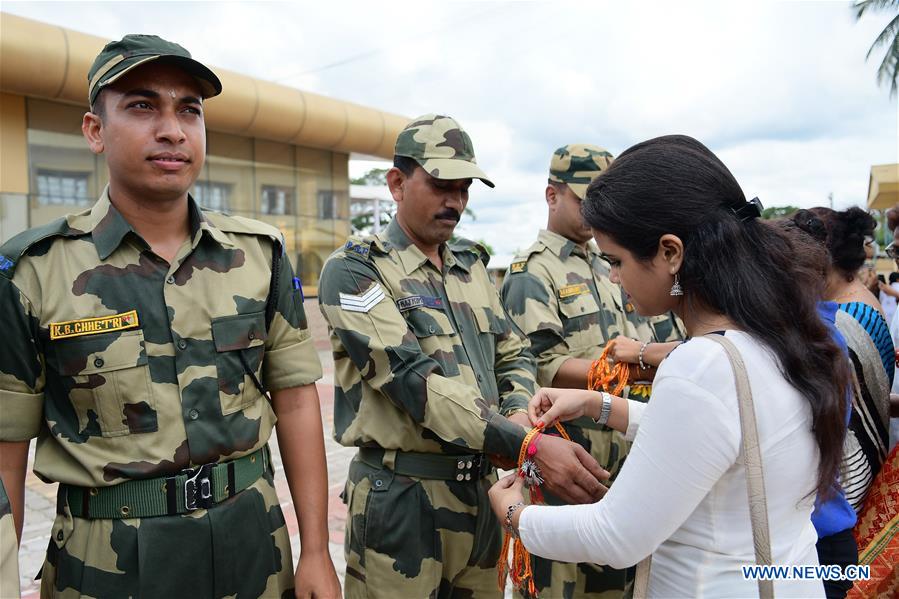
x=93, y=326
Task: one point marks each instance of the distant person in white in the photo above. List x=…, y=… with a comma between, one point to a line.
x=888, y=295
x=892, y=250
x=679, y=235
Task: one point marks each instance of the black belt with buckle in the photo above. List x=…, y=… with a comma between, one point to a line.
x=459, y=468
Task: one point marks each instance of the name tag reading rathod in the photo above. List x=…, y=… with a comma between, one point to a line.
x=92, y=326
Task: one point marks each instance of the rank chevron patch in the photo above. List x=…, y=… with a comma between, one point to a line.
x=363, y=302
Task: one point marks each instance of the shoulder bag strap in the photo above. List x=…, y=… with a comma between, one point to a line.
x=752, y=456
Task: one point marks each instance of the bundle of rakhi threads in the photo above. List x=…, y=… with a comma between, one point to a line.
x=521, y=573
x=611, y=377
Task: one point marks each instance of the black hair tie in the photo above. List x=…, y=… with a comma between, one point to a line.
x=751, y=209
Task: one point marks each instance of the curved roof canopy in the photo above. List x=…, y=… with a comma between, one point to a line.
x=46, y=61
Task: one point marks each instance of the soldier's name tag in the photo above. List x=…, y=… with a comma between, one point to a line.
x=404, y=304
x=363, y=302
x=93, y=326
x=572, y=290
x=517, y=267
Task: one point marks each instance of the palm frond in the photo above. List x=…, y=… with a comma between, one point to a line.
x=862, y=6
x=889, y=67
x=888, y=35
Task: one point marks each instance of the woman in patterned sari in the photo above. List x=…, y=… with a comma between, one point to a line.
x=860, y=320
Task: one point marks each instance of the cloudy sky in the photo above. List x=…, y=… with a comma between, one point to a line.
x=780, y=90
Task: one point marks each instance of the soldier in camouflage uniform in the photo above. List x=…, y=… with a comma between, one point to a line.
x=427, y=368
x=559, y=294
x=140, y=339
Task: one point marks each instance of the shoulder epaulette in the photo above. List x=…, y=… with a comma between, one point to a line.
x=13, y=250
x=241, y=224
x=462, y=245
x=520, y=261
x=359, y=246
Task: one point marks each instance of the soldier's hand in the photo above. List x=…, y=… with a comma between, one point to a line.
x=502, y=462
x=315, y=577
x=569, y=471
x=626, y=349
x=521, y=419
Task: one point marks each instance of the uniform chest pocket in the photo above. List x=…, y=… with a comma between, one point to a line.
x=435, y=333
x=108, y=382
x=489, y=328
x=239, y=348
x=580, y=316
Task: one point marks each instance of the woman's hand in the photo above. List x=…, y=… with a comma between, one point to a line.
x=551, y=405
x=626, y=349
x=505, y=492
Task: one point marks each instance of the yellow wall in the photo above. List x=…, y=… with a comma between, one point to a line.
x=13, y=145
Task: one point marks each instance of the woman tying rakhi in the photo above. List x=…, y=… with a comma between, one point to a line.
x=759, y=387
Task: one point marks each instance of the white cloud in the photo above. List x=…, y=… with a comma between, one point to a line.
x=780, y=90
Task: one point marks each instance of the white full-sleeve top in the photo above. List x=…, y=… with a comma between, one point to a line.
x=682, y=495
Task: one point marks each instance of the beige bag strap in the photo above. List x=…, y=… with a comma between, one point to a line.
x=755, y=481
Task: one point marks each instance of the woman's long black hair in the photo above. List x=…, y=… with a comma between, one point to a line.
x=741, y=268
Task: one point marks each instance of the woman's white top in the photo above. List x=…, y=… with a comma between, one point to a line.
x=682, y=495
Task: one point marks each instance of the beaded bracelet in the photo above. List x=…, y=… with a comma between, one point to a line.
x=640, y=357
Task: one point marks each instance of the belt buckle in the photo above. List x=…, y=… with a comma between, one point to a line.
x=468, y=467
x=198, y=488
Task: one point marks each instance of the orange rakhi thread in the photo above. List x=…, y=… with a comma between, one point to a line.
x=521, y=573
x=612, y=378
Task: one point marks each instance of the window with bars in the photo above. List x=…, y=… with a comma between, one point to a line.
x=277, y=199
x=327, y=205
x=62, y=188
x=212, y=195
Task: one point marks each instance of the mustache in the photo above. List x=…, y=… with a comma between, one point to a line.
x=449, y=213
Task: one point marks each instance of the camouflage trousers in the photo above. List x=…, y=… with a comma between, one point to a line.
x=9, y=549
x=238, y=548
x=414, y=538
x=560, y=580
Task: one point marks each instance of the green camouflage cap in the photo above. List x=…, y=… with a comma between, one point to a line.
x=133, y=50
x=577, y=165
x=440, y=145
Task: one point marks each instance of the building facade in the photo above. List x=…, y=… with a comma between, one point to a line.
x=274, y=153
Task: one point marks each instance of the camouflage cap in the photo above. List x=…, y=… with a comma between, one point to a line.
x=440, y=145
x=133, y=50
x=577, y=165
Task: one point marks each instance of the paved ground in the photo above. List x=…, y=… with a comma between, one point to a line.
x=40, y=503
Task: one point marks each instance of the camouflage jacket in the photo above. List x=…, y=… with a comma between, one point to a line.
x=561, y=297
x=128, y=367
x=423, y=360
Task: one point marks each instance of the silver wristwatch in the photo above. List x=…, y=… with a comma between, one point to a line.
x=606, y=409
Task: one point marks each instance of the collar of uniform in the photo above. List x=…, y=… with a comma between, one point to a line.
x=559, y=244
x=108, y=226
x=410, y=256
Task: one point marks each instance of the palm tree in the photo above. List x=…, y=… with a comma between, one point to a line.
x=889, y=37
